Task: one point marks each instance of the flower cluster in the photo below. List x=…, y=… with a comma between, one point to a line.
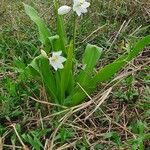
x=79, y=6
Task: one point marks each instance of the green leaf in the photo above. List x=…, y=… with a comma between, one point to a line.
x=60, y=28
x=139, y=46
x=90, y=57
x=66, y=74
x=33, y=66
x=108, y=71
x=48, y=78
x=70, y=85
x=55, y=42
x=43, y=30
x=40, y=67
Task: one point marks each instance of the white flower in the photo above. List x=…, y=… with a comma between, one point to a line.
x=64, y=10
x=80, y=6
x=56, y=60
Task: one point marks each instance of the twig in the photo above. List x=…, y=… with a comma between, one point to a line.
x=23, y=145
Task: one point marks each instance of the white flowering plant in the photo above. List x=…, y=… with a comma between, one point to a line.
x=55, y=66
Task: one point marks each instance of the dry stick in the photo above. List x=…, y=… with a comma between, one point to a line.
x=117, y=35
x=6, y=133
x=1, y=144
x=46, y=144
x=83, y=105
x=55, y=114
x=85, y=130
x=128, y=73
x=88, y=37
x=55, y=132
x=41, y=120
x=102, y=99
x=11, y=146
x=84, y=91
x=126, y=25
x=66, y=146
x=78, y=118
x=124, y=120
x=77, y=108
x=23, y=145
x=124, y=128
x=52, y=104
x=135, y=30
x=147, y=12
x=92, y=99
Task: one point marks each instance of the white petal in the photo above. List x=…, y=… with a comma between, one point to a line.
x=78, y=10
x=62, y=59
x=51, y=62
x=56, y=60
x=64, y=10
x=86, y=4
x=80, y=6
x=54, y=65
x=60, y=66
x=76, y=2
x=55, y=68
x=84, y=10
x=58, y=53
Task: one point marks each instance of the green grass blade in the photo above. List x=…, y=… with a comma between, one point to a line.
x=44, y=32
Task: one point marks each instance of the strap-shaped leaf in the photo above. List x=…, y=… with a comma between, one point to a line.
x=108, y=71
x=48, y=78
x=43, y=30
x=34, y=67
x=55, y=42
x=90, y=57
x=40, y=67
x=60, y=28
x=66, y=72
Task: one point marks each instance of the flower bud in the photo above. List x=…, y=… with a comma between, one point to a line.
x=44, y=53
x=64, y=10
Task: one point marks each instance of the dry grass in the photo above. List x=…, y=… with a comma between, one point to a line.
x=110, y=24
